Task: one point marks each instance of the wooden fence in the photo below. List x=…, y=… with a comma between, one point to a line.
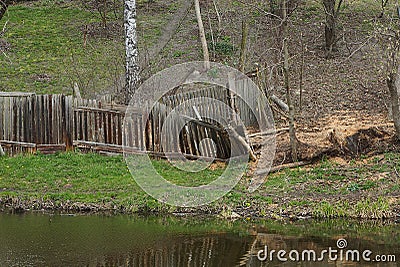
x=50, y=123
x=45, y=123
x=28, y=120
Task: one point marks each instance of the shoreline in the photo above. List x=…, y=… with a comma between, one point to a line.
x=18, y=205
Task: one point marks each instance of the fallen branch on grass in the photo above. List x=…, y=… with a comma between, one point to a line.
x=289, y=166
x=283, y=166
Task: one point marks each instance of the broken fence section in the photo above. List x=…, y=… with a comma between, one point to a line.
x=49, y=123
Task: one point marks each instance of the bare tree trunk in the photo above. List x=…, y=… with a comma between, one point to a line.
x=206, y=56
x=301, y=72
x=393, y=82
x=242, y=58
x=132, y=77
x=292, y=130
x=331, y=14
x=2, y=151
x=330, y=26
x=218, y=16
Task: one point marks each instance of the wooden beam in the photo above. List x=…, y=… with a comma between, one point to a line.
x=99, y=110
x=22, y=144
x=102, y=147
x=16, y=94
x=271, y=132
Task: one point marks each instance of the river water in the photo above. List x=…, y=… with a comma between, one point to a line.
x=40, y=239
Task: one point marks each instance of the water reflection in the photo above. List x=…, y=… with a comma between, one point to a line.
x=217, y=250
x=303, y=251
x=34, y=239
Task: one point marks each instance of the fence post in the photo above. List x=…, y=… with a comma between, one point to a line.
x=66, y=131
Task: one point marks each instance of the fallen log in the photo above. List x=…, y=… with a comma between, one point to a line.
x=270, y=132
x=281, y=104
x=283, y=166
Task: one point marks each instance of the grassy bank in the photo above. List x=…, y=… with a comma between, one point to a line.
x=46, y=52
x=369, y=188
x=48, y=46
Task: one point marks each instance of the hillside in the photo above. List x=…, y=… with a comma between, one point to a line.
x=48, y=46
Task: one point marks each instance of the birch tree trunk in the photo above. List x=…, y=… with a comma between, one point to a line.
x=206, y=56
x=132, y=77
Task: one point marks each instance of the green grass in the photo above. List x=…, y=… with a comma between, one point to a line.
x=366, y=208
x=90, y=178
x=355, y=177
x=179, y=177
x=64, y=176
x=47, y=53
x=329, y=210
x=87, y=178
x=328, y=190
x=45, y=41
